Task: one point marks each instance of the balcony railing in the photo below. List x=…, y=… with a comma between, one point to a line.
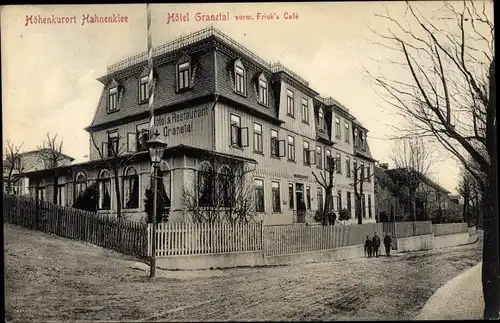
x=331, y=101
x=195, y=37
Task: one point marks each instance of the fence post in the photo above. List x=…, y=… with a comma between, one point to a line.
x=261, y=235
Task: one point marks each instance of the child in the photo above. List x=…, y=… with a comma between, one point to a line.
x=368, y=247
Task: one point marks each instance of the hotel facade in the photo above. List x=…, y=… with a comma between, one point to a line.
x=214, y=95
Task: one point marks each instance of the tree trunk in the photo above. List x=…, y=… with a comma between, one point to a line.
x=118, y=196
x=490, y=270
x=465, y=209
x=55, y=180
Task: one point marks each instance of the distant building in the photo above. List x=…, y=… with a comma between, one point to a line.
x=214, y=95
x=26, y=162
x=392, y=198
x=457, y=199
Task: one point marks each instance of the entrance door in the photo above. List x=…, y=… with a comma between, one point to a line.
x=301, y=205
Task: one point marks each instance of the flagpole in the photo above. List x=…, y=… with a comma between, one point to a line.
x=152, y=265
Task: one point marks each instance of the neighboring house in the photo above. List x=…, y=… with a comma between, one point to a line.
x=457, y=199
x=393, y=198
x=212, y=94
x=27, y=162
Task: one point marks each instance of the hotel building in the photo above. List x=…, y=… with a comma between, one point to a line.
x=212, y=94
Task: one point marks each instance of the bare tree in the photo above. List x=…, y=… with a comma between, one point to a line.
x=413, y=160
x=221, y=191
x=114, y=155
x=326, y=181
x=15, y=167
x=51, y=155
x=446, y=92
x=358, y=179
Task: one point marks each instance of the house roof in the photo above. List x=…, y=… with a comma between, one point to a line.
x=423, y=178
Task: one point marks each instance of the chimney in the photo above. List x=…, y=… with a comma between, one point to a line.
x=384, y=165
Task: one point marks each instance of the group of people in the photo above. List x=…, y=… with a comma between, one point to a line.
x=372, y=246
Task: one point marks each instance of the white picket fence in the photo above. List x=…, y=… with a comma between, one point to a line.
x=176, y=239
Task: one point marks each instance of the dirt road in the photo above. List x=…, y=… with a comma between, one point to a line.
x=51, y=278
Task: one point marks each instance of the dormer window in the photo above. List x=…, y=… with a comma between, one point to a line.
x=112, y=99
x=321, y=120
x=183, y=76
x=143, y=89
x=240, y=77
x=263, y=90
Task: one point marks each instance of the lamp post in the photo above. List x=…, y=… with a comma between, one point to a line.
x=156, y=148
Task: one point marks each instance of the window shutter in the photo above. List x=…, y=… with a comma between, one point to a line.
x=131, y=142
x=281, y=148
x=244, y=136
x=104, y=149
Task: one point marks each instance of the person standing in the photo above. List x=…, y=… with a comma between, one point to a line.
x=387, y=244
x=368, y=247
x=375, y=244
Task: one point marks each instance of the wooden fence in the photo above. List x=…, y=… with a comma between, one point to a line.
x=174, y=239
x=450, y=228
x=289, y=239
x=125, y=236
x=407, y=229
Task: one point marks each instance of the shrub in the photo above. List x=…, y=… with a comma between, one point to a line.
x=162, y=204
x=88, y=200
x=344, y=215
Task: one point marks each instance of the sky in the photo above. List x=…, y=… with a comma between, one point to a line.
x=50, y=71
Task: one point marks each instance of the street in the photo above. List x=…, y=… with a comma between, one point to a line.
x=51, y=278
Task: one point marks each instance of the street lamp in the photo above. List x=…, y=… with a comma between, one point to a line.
x=156, y=148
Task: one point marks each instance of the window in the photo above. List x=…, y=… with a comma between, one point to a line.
x=347, y=166
x=274, y=143
x=41, y=193
x=337, y=128
x=60, y=195
x=131, y=189
x=290, y=195
x=339, y=164
x=320, y=198
x=349, y=203
x=363, y=205
x=308, y=197
x=330, y=165
x=80, y=184
x=239, y=135
x=206, y=184
x=17, y=164
x=183, y=76
x=290, y=108
x=362, y=172
x=263, y=92
x=112, y=99
x=319, y=157
x=239, y=77
x=104, y=185
x=110, y=148
x=339, y=200
x=356, y=139
x=362, y=139
x=346, y=133
x=259, y=195
x=321, y=120
x=257, y=138
x=276, y=196
x=355, y=169
x=307, y=156
x=368, y=173
x=305, y=111
x=143, y=89
x=369, y=206
x=291, y=148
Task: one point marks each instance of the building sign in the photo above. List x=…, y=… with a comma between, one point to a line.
x=302, y=177
x=179, y=122
x=192, y=126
